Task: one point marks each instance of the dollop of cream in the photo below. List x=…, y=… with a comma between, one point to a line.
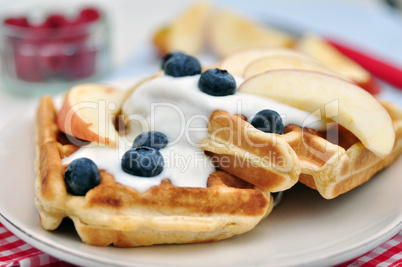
x=180, y=110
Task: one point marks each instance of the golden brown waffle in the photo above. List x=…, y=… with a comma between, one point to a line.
x=332, y=166
x=262, y=159
x=112, y=213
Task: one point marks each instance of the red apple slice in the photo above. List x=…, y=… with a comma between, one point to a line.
x=357, y=110
x=330, y=57
x=238, y=61
x=88, y=113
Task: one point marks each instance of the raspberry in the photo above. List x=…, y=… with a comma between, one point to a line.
x=88, y=15
x=26, y=65
x=55, y=47
x=55, y=21
x=52, y=59
x=82, y=64
x=18, y=21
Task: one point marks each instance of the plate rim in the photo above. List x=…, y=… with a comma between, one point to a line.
x=80, y=259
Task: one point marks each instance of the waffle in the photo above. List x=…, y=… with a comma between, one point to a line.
x=342, y=164
x=112, y=213
x=330, y=165
x=262, y=159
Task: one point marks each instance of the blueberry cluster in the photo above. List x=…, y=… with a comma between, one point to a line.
x=215, y=82
x=144, y=158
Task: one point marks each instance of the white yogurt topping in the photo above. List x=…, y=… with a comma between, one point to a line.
x=177, y=166
x=177, y=108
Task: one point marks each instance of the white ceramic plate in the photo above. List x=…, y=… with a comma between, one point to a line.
x=304, y=229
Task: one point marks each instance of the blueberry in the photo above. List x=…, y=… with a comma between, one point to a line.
x=268, y=121
x=169, y=56
x=81, y=176
x=142, y=161
x=152, y=139
x=182, y=65
x=217, y=82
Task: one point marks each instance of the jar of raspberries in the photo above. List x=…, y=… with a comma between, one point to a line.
x=49, y=51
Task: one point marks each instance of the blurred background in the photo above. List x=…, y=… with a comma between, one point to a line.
x=370, y=23
x=372, y=26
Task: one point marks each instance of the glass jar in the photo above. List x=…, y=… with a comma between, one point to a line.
x=56, y=52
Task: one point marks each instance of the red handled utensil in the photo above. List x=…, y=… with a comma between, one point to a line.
x=379, y=68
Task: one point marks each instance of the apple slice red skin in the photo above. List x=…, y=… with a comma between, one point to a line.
x=370, y=86
x=78, y=127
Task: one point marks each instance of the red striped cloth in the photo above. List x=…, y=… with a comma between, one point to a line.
x=387, y=254
x=15, y=252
